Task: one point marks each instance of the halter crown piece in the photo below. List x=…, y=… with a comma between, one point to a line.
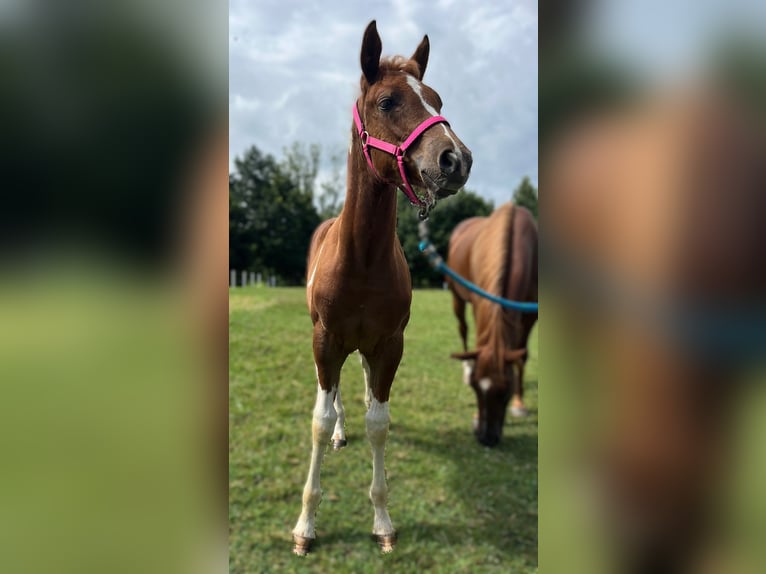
x=397, y=151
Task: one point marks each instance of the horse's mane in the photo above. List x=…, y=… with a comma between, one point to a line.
x=494, y=271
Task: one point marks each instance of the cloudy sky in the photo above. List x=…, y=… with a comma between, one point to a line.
x=294, y=73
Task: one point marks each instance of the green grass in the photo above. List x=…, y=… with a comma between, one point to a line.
x=457, y=506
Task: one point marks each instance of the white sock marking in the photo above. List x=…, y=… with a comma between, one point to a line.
x=467, y=371
x=321, y=426
x=485, y=384
x=377, y=420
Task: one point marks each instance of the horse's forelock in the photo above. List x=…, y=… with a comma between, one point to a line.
x=400, y=64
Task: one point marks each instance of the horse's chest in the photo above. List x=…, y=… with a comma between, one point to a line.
x=362, y=312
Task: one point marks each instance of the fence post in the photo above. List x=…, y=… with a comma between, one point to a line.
x=252, y=278
x=232, y=278
x=244, y=278
x=259, y=278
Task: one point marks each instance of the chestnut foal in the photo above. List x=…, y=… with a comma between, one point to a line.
x=359, y=288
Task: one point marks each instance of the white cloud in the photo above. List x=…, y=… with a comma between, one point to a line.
x=240, y=104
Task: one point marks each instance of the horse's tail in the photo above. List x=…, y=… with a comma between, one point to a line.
x=505, y=318
x=508, y=245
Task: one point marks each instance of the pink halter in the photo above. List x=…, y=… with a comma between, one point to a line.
x=396, y=151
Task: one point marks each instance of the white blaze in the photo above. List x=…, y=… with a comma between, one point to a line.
x=418, y=89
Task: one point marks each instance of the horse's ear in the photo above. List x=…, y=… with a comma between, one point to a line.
x=465, y=356
x=371, y=48
x=514, y=355
x=421, y=55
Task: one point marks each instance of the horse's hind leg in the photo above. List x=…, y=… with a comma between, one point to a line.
x=383, y=364
x=328, y=364
x=339, y=435
x=366, y=371
x=518, y=409
x=458, y=307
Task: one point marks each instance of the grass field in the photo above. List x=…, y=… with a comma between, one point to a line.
x=457, y=506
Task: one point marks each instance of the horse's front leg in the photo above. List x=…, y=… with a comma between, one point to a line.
x=383, y=363
x=328, y=365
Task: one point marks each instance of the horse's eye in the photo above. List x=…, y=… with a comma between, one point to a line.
x=385, y=104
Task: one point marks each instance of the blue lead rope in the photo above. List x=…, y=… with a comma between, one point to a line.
x=428, y=249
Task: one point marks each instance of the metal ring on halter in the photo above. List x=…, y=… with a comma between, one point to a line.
x=364, y=136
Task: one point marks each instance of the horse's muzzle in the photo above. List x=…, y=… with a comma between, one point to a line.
x=490, y=439
x=455, y=166
x=486, y=434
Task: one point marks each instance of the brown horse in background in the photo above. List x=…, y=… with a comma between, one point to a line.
x=359, y=288
x=499, y=254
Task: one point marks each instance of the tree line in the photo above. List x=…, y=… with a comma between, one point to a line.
x=275, y=205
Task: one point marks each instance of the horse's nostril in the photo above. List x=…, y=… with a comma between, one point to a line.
x=449, y=162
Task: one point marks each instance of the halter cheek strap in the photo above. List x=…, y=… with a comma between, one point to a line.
x=397, y=151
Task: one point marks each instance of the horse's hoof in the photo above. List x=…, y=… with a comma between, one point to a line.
x=385, y=541
x=339, y=443
x=519, y=412
x=302, y=545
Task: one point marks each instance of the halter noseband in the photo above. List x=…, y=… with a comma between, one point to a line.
x=397, y=151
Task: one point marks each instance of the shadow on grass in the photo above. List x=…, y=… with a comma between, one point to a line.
x=494, y=489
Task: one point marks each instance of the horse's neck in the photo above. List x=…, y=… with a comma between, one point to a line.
x=502, y=327
x=367, y=223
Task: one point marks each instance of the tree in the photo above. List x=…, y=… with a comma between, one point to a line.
x=526, y=196
x=330, y=200
x=738, y=62
x=248, y=187
x=271, y=212
x=443, y=219
x=301, y=166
